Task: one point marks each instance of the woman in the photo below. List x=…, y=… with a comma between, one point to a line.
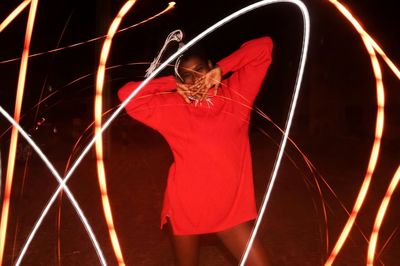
x=205, y=120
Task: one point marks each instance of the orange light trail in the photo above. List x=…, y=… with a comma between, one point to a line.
x=98, y=122
x=14, y=132
x=347, y=14
x=365, y=35
x=378, y=133
x=168, y=8
x=379, y=217
x=389, y=62
x=14, y=14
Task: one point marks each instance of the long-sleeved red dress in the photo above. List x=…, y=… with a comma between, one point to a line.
x=210, y=183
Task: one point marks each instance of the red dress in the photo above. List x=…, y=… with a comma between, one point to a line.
x=210, y=183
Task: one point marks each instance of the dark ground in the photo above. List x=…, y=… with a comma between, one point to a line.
x=293, y=230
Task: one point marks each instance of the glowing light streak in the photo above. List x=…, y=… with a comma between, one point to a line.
x=62, y=186
x=314, y=172
x=47, y=74
x=347, y=14
x=36, y=105
x=20, y=196
x=170, y=6
x=306, y=35
x=98, y=109
x=389, y=62
x=35, y=119
x=1, y=173
x=378, y=135
x=392, y=235
x=14, y=132
x=379, y=217
x=59, y=231
x=14, y=14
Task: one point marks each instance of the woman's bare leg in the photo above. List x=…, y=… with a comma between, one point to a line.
x=186, y=250
x=235, y=239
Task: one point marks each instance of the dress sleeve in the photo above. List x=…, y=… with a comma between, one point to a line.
x=143, y=106
x=249, y=65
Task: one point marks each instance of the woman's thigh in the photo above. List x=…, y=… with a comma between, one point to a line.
x=235, y=239
x=186, y=248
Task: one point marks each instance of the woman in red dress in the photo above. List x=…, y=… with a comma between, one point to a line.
x=205, y=120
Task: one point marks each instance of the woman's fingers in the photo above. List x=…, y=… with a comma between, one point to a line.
x=196, y=90
x=213, y=78
x=200, y=89
x=183, y=91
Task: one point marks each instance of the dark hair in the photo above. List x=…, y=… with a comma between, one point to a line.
x=197, y=51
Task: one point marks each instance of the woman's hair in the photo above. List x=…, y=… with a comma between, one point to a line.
x=197, y=51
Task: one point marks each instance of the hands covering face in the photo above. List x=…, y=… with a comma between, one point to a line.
x=201, y=87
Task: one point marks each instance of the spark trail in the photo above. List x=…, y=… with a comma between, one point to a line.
x=379, y=217
x=98, y=109
x=14, y=14
x=17, y=116
x=167, y=9
x=378, y=134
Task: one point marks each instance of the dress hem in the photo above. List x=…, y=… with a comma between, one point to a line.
x=201, y=232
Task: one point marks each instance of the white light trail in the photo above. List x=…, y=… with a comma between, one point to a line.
x=305, y=42
x=62, y=186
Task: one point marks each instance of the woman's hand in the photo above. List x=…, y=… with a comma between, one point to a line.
x=212, y=79
x=184, y=91
x=199, y=90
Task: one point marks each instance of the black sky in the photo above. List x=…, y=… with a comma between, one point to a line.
x=335, y=49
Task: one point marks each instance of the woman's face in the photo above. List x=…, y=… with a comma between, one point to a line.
x=192, y=69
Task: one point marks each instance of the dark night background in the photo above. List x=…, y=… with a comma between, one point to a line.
x=335, y=118
x=338, y=75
